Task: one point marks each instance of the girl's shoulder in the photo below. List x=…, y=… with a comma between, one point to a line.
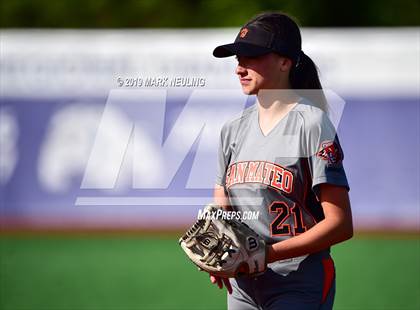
x=311, y=115
x=239, y=120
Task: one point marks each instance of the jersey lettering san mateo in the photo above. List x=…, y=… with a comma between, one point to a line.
x=278, y=173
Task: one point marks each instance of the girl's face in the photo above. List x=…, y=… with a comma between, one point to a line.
x=270, y=71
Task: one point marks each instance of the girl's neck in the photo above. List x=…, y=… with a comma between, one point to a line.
x=273, y=103
x=273, y=106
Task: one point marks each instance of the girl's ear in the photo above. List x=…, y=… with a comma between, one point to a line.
x=285, y=64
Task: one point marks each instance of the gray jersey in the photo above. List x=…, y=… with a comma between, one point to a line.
x=277, y=174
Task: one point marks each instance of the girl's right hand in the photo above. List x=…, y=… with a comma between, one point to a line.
x=220, y=281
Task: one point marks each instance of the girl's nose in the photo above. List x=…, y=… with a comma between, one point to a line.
x=240, y=70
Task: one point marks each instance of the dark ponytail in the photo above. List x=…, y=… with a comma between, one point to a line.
x=304, y=73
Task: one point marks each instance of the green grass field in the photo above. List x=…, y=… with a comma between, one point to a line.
x=140, y=272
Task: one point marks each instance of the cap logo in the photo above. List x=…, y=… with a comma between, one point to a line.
x=243, y=33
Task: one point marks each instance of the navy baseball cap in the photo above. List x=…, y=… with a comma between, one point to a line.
x=253, y=41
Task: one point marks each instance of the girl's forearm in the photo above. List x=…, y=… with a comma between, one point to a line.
x=220, y=197
x=321, y=236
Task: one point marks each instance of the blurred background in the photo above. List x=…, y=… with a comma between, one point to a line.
x=62, y=246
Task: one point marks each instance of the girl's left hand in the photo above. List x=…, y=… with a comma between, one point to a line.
x=220, y=281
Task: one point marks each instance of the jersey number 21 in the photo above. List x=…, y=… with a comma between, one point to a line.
x=280, y=226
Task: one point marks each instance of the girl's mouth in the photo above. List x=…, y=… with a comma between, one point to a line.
x=244, y=81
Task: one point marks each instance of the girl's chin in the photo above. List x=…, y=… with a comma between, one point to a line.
x=247, y=90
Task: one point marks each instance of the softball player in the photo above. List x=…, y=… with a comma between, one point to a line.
x=285, y=150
